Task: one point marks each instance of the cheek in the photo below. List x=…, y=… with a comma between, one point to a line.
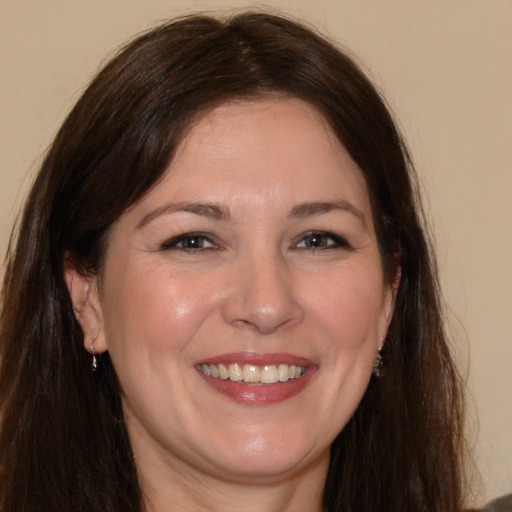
x=348, y=308
x=149, y=312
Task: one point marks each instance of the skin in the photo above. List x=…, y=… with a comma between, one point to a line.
x=254, y=285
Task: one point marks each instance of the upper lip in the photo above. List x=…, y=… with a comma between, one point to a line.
x=257, y=359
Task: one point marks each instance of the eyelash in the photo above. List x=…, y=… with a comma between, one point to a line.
x=337, y=242
x=196, y=241
x=174, y=242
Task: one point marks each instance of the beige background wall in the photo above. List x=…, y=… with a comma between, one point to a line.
x=446, y=69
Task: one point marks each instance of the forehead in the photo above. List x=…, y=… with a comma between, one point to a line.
x=263, y=135
x=252, y=156
x=242, y=118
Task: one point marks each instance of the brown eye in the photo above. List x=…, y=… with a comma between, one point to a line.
x=317, y=241
x=321, y=240
x=193, y=242
x=189, y=242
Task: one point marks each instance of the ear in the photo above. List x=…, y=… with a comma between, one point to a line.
x=83, y=291
x=388, y=305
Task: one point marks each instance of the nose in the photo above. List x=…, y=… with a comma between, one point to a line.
x=263, y=295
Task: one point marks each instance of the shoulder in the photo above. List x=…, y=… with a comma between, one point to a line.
x=503, y=504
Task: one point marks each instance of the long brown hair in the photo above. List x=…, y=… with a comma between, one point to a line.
x=63, y=442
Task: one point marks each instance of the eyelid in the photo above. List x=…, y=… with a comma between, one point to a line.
x=339, y=241
x=172, y=243
x=336, y=241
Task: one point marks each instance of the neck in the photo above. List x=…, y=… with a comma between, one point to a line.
x=186, y=489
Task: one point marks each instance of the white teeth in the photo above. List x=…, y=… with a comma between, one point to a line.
x=235, y=372
x=283, y=372
x=223, y=372
x=269, y=374
x=253, y=374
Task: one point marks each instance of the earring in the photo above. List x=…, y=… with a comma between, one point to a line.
x=94, y=363
x=378, y=365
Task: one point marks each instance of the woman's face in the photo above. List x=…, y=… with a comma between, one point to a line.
x=242, y=300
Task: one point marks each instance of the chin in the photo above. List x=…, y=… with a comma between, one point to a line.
x=264, y=468
x=270, y=456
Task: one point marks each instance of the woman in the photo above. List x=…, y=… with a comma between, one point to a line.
x=222, y=294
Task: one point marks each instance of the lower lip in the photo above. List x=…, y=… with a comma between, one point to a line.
x=259, y=394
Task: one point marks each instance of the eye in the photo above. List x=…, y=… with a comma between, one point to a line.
x=189, y=242
x=321, y=240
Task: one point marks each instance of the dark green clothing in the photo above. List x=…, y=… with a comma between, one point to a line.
x=503, y=504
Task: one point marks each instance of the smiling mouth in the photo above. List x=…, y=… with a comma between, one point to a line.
x=253, y=374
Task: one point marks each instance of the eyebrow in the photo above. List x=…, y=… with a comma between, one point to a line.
x=319, y=208
x=209, y=210
x=218, y=212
